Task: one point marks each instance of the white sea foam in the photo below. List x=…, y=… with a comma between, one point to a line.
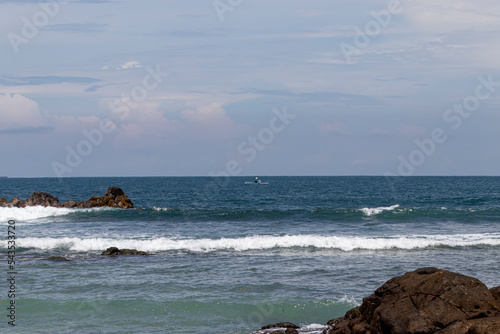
x=376, y=211
x=36, y=212
x=264, y=242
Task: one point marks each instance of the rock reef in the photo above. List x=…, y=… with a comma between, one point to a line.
x=425, y=301
x=113, y=251
x=114, y=198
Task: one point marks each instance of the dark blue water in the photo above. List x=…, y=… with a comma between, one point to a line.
x=229, y=257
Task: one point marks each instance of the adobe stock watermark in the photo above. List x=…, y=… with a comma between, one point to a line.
x=223, y=6
x=258, y=317
x=31, y=26
x=121, y=108
x=363, y=38
x=454, y=118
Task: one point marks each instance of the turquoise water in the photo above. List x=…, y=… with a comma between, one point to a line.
x=229, y=257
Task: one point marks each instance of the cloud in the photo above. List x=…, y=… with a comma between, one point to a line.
x=126, y=66
x=44, y=80
x=209, y=121
x=18, y=113
x=131, y=64
x=446, y=16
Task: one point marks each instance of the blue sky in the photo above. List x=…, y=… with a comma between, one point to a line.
x=250, y=87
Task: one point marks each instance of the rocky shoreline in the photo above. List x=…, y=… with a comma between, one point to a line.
x=425, y=301
x=114, y=198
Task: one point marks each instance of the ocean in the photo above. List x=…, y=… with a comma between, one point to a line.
x=228, y=257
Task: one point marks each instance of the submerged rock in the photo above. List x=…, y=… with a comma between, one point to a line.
x=57, y=258
x=113, y=198
x=282, y=328
x=428, y=300
x=112, y=251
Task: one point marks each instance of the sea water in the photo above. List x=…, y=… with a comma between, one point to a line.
x=228, y=257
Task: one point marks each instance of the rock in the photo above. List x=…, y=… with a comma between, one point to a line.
x=281, y=325
x=16, y=203
x=42, y=199
x=112, y=251
x=114, y=198
x=291, y=330
x=428, y=300
x=496, y=292
x=68, y=204
x=57, y=258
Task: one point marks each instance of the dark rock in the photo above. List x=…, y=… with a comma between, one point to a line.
x=68, y=204
x=281, y=325
x=291, y=330
x=57, y=258
x=114, y=198
x=42, y=199
x=425, y=301
x=16, y=203
x=112, y=251
x=496, y=292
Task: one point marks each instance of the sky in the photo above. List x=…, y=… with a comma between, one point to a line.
x=249, y=87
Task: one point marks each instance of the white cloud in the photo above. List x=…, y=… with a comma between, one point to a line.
x=209, y=121
x=17, y=111
x=446, y=16
x=131, y=64
x=126, y=66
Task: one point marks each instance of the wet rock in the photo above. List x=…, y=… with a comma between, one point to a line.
x=68, y=204
x=114, y=198
x=57, y=258
x=496, y=292
x=16, y=203
x=281, y=325
x=425, y=301
x=113, y=251
x=42, y=199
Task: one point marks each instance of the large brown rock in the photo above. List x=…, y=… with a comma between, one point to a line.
x=114, y=198
x=16, y=203
x=425, y=301
x=42, y=199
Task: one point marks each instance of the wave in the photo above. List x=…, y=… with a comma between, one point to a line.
x=264, y=242
x=376, y=211
x=395, y=213
x=36, y=212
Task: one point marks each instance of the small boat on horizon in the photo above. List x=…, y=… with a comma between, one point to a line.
x=257, y=182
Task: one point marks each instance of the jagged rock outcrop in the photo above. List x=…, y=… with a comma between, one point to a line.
x=43, y=199
x=112, y=251
x=113, y=198
x=282, y=328
x=426, y=301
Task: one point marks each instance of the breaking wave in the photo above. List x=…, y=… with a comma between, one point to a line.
x=264, y=242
